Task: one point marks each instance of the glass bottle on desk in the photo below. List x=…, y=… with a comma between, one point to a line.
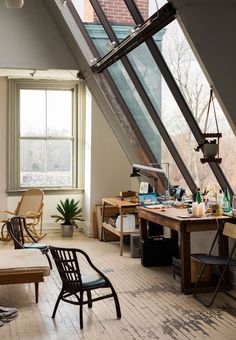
x=199, y=198
x=226, y=201
x=220, y=198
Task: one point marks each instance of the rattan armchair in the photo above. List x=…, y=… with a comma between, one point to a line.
x=31, y=208
x=17, y=229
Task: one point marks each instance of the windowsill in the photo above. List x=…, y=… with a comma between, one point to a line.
x=49, y=191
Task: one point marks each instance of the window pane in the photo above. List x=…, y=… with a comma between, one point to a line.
x=59, y=113
x=120, y=18
x=32, y=163
x=137, y=108
x=196, y=91
x=32, y=113
x=59, y=163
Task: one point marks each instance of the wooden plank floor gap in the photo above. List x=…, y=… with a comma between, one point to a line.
x=152, y=305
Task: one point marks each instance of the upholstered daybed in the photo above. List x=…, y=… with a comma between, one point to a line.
x=23, y=266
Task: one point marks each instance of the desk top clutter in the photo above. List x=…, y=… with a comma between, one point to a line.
x=199, y=204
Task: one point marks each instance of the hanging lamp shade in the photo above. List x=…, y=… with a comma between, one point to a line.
x=14, y=3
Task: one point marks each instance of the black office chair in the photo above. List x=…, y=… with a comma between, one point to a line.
x=74, y=283
x=221, y=264
x=18, y=231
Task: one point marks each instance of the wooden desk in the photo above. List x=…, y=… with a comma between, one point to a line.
x=122, y=208
x=170, y=218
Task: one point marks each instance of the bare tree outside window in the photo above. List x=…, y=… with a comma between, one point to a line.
x=196, y=91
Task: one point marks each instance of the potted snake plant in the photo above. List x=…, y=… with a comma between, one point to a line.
x=69, y=214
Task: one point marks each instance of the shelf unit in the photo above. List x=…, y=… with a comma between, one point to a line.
x=123, y=207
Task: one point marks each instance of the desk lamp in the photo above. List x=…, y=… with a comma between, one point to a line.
x=139, y=170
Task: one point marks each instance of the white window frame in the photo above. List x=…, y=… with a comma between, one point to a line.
x=78, y=127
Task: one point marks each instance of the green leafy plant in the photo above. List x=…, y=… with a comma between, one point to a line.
x=70, y=212
x=212, y=141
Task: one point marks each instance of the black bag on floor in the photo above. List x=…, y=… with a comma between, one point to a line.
x=158, y=251
x=155, y=229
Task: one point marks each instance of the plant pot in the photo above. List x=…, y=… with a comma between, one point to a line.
x=210, y=150
x=67, y=230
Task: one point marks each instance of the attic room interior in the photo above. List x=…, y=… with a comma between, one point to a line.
x=117, y=175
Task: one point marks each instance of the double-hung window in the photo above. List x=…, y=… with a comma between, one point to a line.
x=45, y=121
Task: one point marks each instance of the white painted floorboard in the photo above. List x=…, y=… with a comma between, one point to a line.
x=151, y=304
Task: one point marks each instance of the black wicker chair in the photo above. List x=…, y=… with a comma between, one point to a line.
x=75, y=284
x=18, y=231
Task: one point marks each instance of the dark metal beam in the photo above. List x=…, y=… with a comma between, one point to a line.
x=146, y=100
x=140, y=33
x=189, y=117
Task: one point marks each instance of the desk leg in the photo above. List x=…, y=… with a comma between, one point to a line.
x=36, y=292
x=103, y=215
x=224, y=250
x=223, y=243
x=143, y=228
x=185, y=252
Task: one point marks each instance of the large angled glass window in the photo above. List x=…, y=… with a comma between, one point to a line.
x=147, y=69
x=187, y=74
x=150, y=77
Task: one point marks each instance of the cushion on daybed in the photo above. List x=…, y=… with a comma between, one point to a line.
x=23, y=260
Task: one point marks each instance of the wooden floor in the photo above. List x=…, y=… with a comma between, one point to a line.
x=151, y=304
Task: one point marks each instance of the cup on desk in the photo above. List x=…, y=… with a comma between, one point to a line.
x=201, y=209
x=198, y=210
x=216, y=209
x=195, y=209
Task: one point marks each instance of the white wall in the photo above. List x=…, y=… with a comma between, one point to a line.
x=30, y=39
x=3, y=150
x=107, y=167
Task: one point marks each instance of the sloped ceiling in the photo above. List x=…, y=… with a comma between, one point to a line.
x=210, y=28
x=30, y=39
